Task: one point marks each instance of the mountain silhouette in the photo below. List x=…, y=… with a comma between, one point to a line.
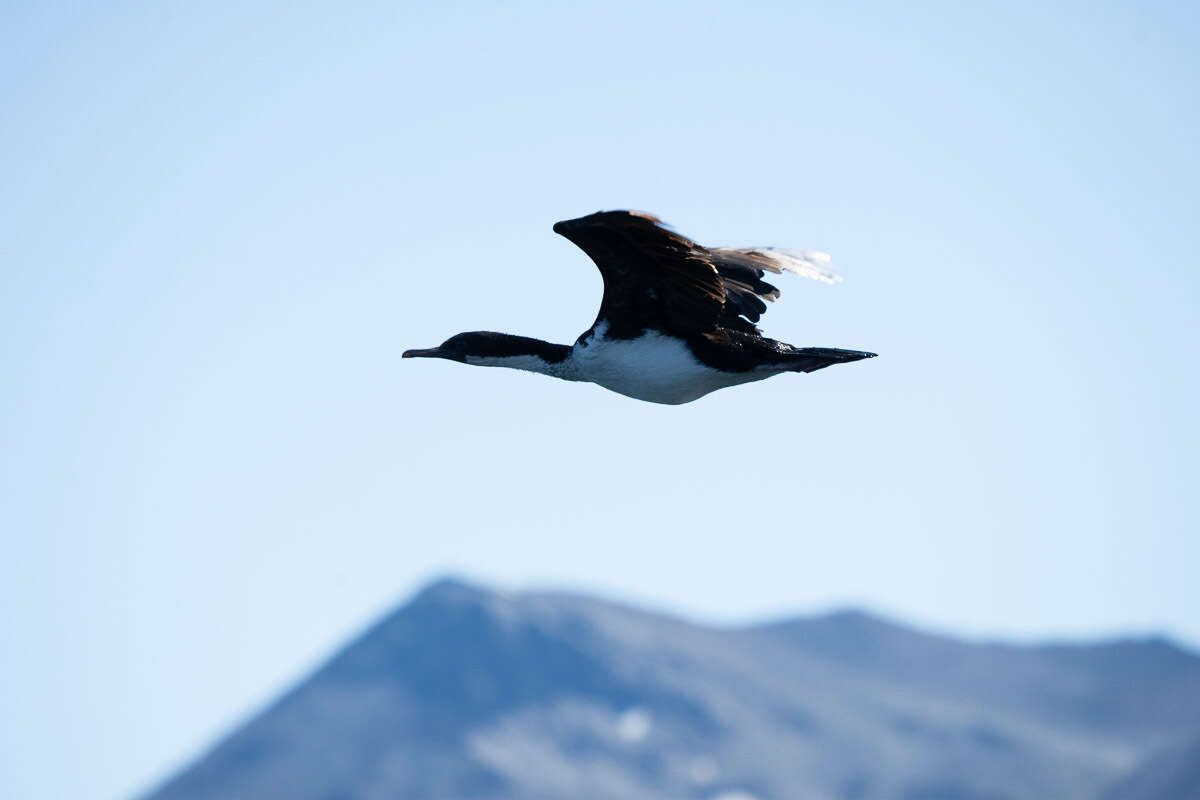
x=470, y=694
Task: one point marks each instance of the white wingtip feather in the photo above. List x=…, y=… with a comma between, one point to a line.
x=809, y=263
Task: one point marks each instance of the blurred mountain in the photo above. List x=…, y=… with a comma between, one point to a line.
x=1173, y=774
x=469, y=694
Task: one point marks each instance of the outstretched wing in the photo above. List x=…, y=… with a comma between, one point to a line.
x=657, y=278
x=653, y=277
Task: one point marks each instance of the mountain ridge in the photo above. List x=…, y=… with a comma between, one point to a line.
x=463, y=691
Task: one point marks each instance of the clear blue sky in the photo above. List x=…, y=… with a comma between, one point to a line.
x=220, y=226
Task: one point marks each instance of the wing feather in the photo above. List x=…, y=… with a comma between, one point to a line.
x=657, y=278
x=653, y=276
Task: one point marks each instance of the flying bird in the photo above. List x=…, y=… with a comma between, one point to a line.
x=677, y=320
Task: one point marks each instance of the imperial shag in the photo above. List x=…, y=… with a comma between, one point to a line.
x=676, y=321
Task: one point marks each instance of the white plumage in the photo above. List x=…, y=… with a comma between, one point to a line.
x=655, y=367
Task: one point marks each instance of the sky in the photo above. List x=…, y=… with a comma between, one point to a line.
x=222, y=223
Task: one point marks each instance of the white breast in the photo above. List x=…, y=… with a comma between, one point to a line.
x=654, y=367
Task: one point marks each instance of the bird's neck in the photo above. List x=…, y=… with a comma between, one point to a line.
x=531, y=355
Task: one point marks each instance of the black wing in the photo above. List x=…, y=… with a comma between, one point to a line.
x=656, y=278
x=653, y=277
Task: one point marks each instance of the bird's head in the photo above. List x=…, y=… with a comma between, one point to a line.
x=456, y=348
x=490, y=349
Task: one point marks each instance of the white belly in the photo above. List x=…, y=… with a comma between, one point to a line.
x=655, y=368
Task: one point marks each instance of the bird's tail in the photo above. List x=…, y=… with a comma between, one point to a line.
x=811, y=359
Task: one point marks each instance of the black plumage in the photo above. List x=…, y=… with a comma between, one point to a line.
x=657, y=279
x=677, y=320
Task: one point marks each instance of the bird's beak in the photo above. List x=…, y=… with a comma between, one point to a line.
x=432, y=352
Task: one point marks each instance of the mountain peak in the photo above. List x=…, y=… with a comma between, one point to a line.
x=452, y=590
x=464, y=692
